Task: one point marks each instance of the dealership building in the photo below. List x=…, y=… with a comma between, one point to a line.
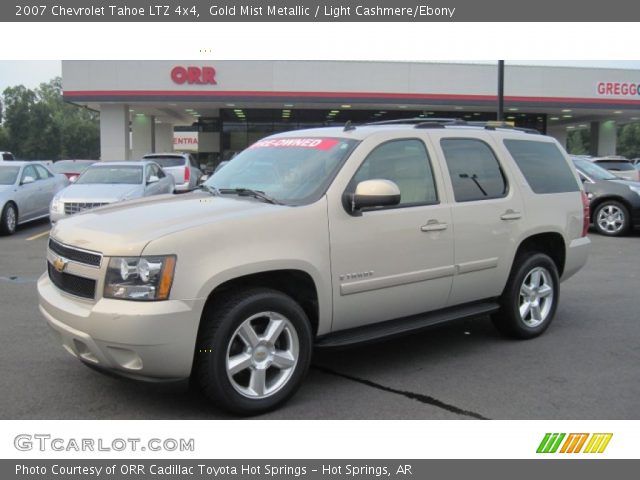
x=219, y=107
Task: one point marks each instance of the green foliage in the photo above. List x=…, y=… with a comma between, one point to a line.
x=578, y=142
x=39, y=125
x=629, y=140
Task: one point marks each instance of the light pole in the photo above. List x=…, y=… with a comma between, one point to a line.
x=500, y=90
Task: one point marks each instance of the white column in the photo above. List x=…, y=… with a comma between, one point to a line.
x=559, y=132
x=607, y=138
x=143, y=131
x=114, y=132
x=164, y=137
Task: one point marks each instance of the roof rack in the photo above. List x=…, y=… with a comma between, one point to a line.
x=422, y=122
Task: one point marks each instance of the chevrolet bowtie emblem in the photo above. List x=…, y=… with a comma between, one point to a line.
x=59, y=264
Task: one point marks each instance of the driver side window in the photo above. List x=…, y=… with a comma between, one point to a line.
x=407, y=164
x=29, y=171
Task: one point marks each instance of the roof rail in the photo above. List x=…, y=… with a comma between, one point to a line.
x=422, y=122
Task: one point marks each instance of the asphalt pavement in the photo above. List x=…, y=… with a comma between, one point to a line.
x=586, y=366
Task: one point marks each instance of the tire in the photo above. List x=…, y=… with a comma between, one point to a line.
x=611, y=218
x=253, y=351
x=529, y=301
x=9, y=219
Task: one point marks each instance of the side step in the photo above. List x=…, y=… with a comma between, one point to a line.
x=403, y=326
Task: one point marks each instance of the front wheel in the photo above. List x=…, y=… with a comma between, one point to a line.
x=529, y=301
x=8, y=219
x=253, y=352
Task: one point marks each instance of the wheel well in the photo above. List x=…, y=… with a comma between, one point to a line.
x=549, y=243
x=600, y=201
x=295, y=283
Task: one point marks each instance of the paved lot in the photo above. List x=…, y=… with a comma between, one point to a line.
x=587, y=365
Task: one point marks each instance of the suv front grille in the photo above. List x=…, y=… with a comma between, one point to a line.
x=75, y=207
x=79, y=256
x=67, y=282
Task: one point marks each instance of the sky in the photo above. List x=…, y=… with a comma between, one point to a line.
x=32, y=73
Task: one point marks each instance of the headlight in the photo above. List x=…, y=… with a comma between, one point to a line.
x=140, y=278
x=635, y=189
x=57, y=205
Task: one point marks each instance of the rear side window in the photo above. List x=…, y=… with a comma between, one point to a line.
x=167, y=162
x=618, y=166
x=543, y=166
x=7, y=156
x=474, y=169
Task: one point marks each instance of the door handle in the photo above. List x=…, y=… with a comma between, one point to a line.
x=511, y=215
x=433, y=226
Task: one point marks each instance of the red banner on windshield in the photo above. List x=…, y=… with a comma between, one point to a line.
x=313, y=143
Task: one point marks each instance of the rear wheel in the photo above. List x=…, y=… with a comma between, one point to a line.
x=611, y=218
x=253, y=351
x=531, y=296
x=9, y=219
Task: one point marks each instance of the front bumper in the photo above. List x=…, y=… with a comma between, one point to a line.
x=144, y=340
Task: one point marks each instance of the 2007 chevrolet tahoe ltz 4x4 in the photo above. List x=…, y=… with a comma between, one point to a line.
x=327, y=236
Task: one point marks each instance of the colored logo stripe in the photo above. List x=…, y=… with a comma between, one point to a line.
x=598, y=442
x=575, y=441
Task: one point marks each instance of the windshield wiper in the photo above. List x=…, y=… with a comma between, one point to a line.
x=209, y=188
x=248, y=192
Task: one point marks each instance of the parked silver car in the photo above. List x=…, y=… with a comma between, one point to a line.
x=109, y=182
x=182, y=166
x=26, y=189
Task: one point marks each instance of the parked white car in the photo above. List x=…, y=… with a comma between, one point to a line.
x=26, y=189
x=104, y=183
x=182, y=166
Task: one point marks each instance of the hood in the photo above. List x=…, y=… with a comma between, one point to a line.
x=126, y=227
x=99, y=193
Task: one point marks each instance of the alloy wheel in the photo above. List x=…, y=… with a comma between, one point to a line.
x=610, y=219
x=536, y=297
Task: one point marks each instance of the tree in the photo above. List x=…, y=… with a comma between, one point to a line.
x=629, y=140
x=578, y=142
x=40, y=125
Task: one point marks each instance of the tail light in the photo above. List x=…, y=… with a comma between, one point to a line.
x=585, y=214
x=187, y=174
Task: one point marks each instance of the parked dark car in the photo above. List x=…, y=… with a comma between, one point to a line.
x=71, y=168
x=614, y=202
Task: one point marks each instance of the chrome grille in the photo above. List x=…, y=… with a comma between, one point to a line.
x=75, y=207
x=70, y=253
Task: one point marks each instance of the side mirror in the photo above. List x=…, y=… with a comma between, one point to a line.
x=27, y=180
x=375, y=193
x=153, y=179
x=203, y=179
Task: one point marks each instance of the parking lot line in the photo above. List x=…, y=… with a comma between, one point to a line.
x=38, y=235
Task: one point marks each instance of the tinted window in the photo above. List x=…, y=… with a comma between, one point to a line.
x=29, y=171
x=592, y=170
x=8, y=175
x=406, y=163
x=128, y=175
x=7, y=156
x=71, y=166
x=165, y=162
x=620, y=166
x=474, y=170
x=543, y=165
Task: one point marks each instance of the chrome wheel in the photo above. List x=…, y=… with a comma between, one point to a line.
x=536, y=297
x=262, y=355
x=611, y=219
x=10, y=218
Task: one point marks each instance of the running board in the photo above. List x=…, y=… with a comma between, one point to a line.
x=403, y=326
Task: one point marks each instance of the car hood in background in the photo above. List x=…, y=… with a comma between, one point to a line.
x=99, y=193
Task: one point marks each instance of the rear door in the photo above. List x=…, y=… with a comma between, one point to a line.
x=48, y=188
x=487, y=214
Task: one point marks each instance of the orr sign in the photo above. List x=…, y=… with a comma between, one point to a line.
x=618, y=89
x=194, y=75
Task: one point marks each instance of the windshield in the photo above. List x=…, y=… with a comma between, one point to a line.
x=592, y=170
x=8, y=175
x=165, y=162
x=119, y=175
x=615, y=165
x=291, y=170
x=69, y=166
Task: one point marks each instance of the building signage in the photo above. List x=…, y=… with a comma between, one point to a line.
x=185, y=141
x=618, y=89
x=194, y=75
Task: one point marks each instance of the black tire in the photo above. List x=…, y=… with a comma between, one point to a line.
x=614, y=228
x=220, y=337
x=508, y=320
x=7, y=226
